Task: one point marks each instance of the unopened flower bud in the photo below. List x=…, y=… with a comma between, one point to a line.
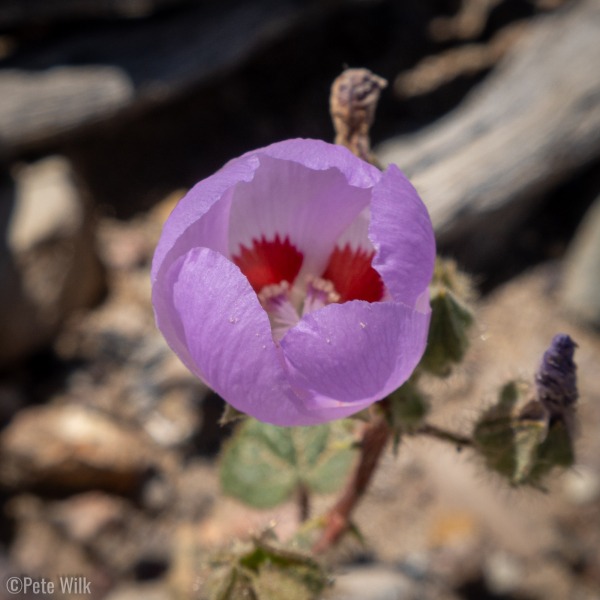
x=556, y=379
x=525, y=444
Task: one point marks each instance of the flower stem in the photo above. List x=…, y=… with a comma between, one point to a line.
x=337, y=520
x=303, y=503
x=444, y=435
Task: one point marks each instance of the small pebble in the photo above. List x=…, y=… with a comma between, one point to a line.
x=374, y=583
x=581, y=485
x=503, y=573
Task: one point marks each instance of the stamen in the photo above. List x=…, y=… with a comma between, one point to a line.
x=319, y=293
x=275, y=299
x=272, y=269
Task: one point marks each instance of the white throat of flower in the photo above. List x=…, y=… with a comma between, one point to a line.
x=286, y=305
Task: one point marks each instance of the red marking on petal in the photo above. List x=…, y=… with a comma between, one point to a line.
x=352, y=275
x=267, y=263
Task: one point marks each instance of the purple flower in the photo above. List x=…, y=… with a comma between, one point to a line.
x=294, y=282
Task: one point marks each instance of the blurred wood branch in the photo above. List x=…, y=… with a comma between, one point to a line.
x=533, y=123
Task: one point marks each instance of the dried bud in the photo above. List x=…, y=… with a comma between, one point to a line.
x=353, y=100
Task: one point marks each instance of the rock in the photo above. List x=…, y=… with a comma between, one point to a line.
x=503, y=572
x=374, y=583
x=39, y=548
x=581, y=285
x=73, y=448
x=120, y=537
x=94, y=535
x=148, y=591
x=48, y=264
x=37, y=11
x=35, y=107
x=83, y=517
x=147, y=61
x=12, y=399
x=136, y=377
x=581, y=485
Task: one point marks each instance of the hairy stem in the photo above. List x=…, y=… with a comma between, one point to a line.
x=303, y=503
x=337, y=520
x=444, y=435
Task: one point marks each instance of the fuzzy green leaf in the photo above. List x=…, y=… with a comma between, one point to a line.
x=522, y=445
x=263, y=465
x=448, y=338
x=450, y=294
x=261, y=570
x=408, y=407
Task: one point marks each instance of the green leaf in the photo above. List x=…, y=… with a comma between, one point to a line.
x=450, y=294
x=494, y=434
x=280, y=572
x=224, y=583
x=448, y=338
x=408, y=407
x=263, y=465
x=261, y=570
x=530, y=430
x=274, y=583
x=556, y=451
x=522, y=445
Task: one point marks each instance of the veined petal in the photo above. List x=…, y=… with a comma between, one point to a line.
x=349, y=267
x=352, y=275
x=279, y=213
x=289, y=200
x=357, y=234
x=318, y=155
x=350, y=355
x=228, y=338
x=402, y=235
x=167, y=318
x=201, y=218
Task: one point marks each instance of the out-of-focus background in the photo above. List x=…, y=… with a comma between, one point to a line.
x=110, y=110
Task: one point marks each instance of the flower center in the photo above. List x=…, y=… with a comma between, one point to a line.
x=272, y=268
x=285, y=305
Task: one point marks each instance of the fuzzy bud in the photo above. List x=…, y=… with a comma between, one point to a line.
x=556, y=379
x=525, y=444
